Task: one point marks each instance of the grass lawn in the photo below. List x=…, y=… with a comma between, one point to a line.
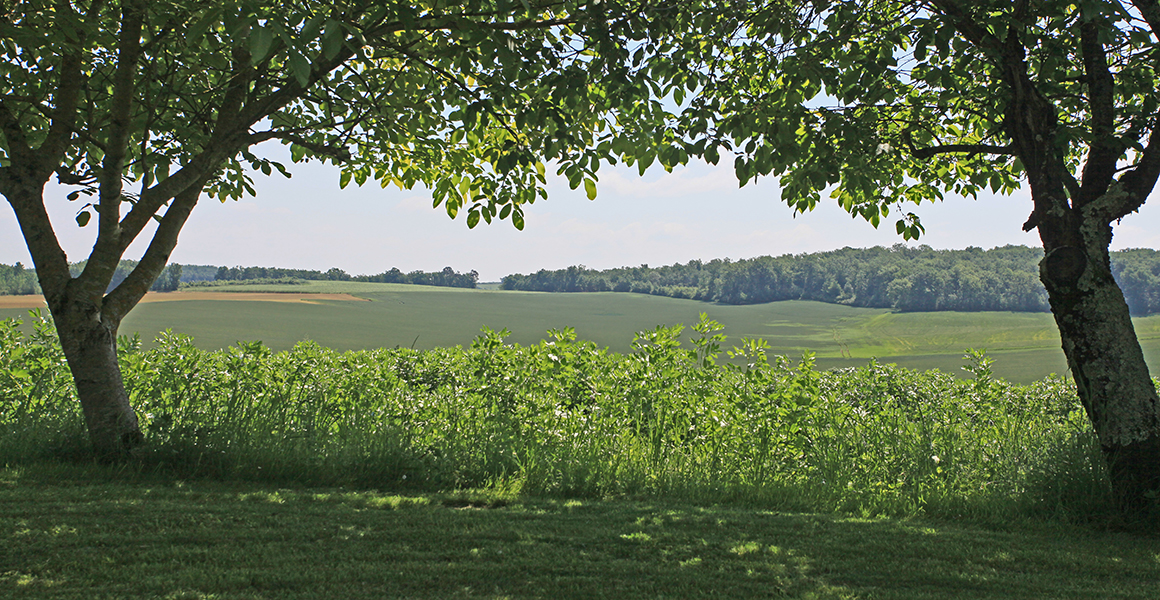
x=1025, y=346
x=72, y=532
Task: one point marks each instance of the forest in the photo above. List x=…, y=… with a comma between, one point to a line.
x=448, y=277
x=918, y=279
x=900, y=277
x=16, y=280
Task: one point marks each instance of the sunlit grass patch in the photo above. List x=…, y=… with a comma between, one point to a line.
x=115, y=534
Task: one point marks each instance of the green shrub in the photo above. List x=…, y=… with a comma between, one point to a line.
x=564, y=417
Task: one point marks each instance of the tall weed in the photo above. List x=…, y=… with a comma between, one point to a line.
x=565, y=417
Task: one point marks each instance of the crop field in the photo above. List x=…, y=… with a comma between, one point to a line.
x=353, y=316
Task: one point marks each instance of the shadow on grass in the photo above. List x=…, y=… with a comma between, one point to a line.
x=66, y=537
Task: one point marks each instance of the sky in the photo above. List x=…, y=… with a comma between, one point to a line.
x=695, y=212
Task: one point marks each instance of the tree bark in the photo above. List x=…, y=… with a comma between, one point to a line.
x=1106, y=361
x=1074, y=221
x=90, y=346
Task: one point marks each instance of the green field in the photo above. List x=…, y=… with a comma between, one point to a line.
x=1025, y=346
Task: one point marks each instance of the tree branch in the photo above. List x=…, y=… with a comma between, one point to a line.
x=338, y=152
x=152, y=199
x=18, y=148
x=231, y=133
x=968, y=27
x=223, y=143
x=47, y=255
x=1136, y=184
x=71, y=81
x=962, y=149
x=503, y=122
x=1150, y=10
x=130, y=291
x=513, y=26
x=107, y=251
x=1105, y=148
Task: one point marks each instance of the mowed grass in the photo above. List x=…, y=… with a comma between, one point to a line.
x=1025, y=346
x=97, y=532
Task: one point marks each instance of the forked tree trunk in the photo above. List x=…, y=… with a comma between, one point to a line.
x=90, y=345
x=1074, y=218
x=1108, y=366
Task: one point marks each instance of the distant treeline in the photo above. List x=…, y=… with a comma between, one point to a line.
x=248, y=273
x=448, y=277
x=168, y=281
x=907, y=279
x=16, y=280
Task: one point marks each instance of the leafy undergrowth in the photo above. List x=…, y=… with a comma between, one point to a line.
x=105, y=532
x=566, y=419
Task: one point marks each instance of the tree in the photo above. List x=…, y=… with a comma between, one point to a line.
x=881, y=103
x=468, y=98
x=169, y=280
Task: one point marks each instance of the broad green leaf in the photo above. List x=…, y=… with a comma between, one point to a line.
x=590, y=188
x=332, y=39
x=300, y=68
x=260, y=40
x=311, y=28
x=198, y=29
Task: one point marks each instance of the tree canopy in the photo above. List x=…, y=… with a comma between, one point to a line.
x=145, y=106
x=881, y=104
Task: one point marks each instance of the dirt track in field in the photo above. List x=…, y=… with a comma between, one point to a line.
x=38, y=301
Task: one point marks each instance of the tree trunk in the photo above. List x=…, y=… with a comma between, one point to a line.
x=90, y=345
x=1108, y=366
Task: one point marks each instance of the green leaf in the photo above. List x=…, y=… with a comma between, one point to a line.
x=472, y=219
x=590, y=188
x=712, y=155
x=311, y=28
x=198, y=29
x=300, y=68
x=344, y=180
x=83, y=218
x=332, y=39
x=260, y=41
